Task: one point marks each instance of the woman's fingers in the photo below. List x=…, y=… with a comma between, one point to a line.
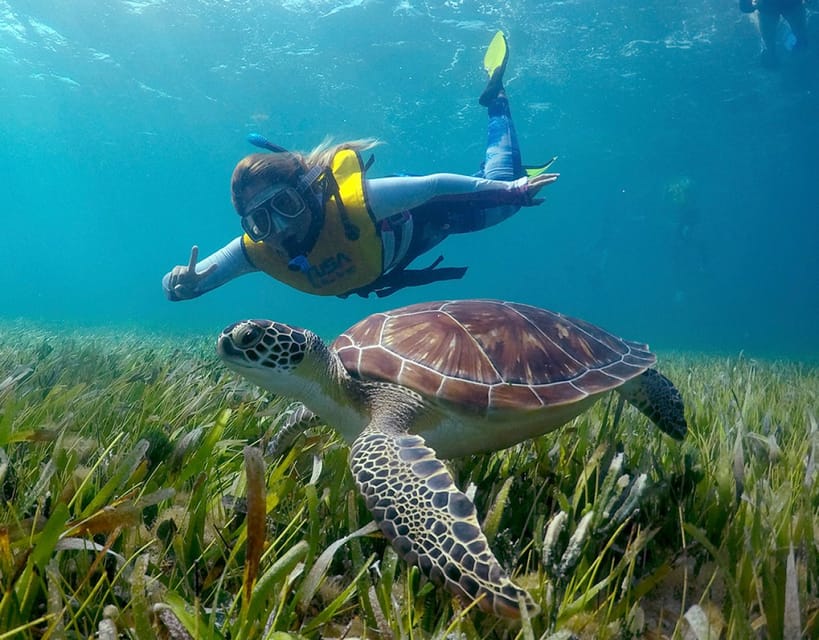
x=194, y=258
x=545, y=178
x=538, y=182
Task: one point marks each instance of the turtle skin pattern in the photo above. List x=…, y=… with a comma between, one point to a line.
x=429, y=522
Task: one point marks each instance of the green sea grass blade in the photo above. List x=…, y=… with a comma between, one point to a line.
x=202, y=459
x=21, y=591
x=384, y=592
x=39, y=491
x=46, y=541
x=139, y=601
x=333, y=607
x=193, y=543
x=493, y=517
x=590, y=469
x=357, y=555
x=585, y=588
x=271, y=580
x=744, y=628
x=10, y=408
x=191, y=618
x=792, y=628
x=124, y=469
x=322, y=564
x=18, y=631
x=314, y=520
x=56, y=628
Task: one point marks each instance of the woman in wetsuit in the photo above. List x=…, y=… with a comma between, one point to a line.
x=316, y=222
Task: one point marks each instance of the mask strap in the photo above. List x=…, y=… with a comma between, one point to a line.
x=307, y=180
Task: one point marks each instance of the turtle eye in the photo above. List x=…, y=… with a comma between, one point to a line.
x=246, y=335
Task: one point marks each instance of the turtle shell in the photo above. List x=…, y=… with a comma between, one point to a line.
x=488, y=355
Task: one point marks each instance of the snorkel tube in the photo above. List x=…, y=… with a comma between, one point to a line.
x=258, y=140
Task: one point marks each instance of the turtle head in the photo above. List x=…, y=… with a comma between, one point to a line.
x=295, y=363
x=275, y=356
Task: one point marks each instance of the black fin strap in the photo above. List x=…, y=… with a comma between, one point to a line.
x=420, y=277
x=435, y=263
x=400, y=278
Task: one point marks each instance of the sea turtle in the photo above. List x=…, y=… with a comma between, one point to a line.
x=447, y=379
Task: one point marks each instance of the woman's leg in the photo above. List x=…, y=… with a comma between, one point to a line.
x=796, y=19
x=768, y=23
x=502, y=161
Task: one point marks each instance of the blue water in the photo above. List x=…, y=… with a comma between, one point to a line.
x=686, y=214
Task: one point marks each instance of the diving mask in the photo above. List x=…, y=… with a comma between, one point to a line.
x=271, y=210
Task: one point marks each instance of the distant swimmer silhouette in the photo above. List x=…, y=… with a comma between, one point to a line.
x=316, y=222
x=689, y=256
x=770, y=11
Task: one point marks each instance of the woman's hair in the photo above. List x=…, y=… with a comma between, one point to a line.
x=289, y=166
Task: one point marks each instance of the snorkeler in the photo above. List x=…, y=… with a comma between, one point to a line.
x=793, y=11
x=316, y=222
x=688, y=252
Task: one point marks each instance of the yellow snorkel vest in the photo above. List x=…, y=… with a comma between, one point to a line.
x=337, y=264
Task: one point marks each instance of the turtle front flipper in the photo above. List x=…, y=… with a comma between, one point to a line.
x=658, y=399
x=429, y=522
x=294, y=420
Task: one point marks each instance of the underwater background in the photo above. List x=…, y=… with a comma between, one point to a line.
x=686, y=214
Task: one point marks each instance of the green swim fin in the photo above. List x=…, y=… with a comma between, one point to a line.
x=496, y=54
x=533, y=170
x=494, y=62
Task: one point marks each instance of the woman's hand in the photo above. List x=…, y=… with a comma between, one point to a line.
x=184, y=279
x=536, y=183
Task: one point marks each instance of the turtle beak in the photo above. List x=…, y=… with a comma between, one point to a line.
x=225, y=348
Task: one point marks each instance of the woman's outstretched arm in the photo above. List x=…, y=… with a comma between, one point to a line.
x=388, y=196
x=184, y=282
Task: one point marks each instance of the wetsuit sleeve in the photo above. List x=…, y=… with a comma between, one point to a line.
x=388, y=196
x=231, y=263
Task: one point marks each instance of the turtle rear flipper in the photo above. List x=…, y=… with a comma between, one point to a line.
x=658, y=399
x=429, y=522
